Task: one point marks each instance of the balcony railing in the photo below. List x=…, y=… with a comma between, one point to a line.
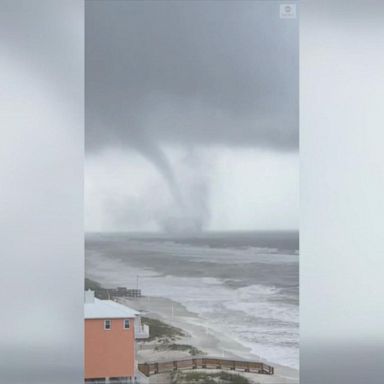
x=141, y=331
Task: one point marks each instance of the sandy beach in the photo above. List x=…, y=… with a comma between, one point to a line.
x=196, y=335
x=230, y=298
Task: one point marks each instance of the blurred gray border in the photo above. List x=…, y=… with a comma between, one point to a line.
x=41, y=193
x=342, y=185
x=42, y=203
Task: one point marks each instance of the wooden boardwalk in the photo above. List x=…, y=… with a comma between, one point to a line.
x=153, y=368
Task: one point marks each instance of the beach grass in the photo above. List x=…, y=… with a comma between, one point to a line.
x=179, y=377
x=161, y=331
x=193, y=351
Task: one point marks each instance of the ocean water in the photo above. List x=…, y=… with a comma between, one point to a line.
x=245, y=285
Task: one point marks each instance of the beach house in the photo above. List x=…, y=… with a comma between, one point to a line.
x=109, y=341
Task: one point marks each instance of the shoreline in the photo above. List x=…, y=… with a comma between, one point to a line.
x=207, y=340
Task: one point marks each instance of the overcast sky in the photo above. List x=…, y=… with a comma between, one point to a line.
x=191, y=116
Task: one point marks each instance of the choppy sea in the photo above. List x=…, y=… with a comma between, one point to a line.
x=245, y=284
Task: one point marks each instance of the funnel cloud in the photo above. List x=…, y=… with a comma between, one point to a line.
x=165, y=75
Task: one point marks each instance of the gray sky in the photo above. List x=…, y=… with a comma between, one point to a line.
x=184, y=98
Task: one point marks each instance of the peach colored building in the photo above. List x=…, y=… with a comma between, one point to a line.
x=109, y=340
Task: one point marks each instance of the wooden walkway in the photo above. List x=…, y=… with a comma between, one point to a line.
x=153, y=368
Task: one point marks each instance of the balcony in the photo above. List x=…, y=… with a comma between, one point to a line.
x=141, y=330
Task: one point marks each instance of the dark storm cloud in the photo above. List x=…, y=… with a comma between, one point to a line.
x=189, y=73
x=164, y=72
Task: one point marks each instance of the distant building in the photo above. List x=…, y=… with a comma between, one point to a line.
x=110, y=340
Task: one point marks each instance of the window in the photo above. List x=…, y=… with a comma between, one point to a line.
x=120, y=380
x=126, y=324
x=107, y=324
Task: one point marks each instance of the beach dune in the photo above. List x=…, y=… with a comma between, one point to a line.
x=199, y=337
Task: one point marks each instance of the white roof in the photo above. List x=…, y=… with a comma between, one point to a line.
x=107, y=309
